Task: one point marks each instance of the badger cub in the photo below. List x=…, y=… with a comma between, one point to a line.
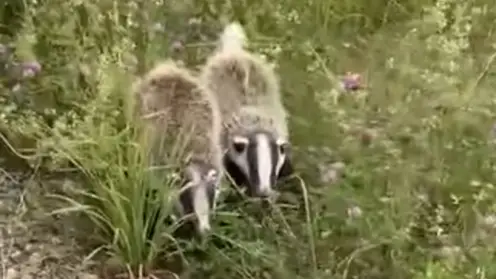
x=181, y=114
x=255, y=131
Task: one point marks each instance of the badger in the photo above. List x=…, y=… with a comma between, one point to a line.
x=255, y=131
x=173, y=103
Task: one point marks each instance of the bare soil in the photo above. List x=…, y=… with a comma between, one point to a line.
x=31, y=246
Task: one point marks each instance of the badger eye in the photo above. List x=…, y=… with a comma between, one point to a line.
x=239, y=147
x=240, y=143
x=283, y=147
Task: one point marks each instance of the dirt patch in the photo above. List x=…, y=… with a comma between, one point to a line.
x=30, y=247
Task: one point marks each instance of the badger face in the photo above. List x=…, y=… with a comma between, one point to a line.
x=199, y=193
x=257, y=160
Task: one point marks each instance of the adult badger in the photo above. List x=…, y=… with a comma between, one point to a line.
x=173, y=103
x=255, y=131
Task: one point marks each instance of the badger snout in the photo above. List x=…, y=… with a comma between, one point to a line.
x=264, y=192
x=203, y=228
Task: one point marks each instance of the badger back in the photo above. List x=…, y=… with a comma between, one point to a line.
x=175, y=104
x=181, y=114
x=239, y=77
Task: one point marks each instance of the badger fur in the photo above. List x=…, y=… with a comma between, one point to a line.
x=255, y=132
x=179, y=111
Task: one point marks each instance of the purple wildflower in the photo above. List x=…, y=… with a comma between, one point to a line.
x=177, y=46
x=351, y=82
x=30, y=69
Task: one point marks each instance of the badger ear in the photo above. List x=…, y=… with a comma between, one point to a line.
x=281, y=141
x=239, y=139
x=284, y=146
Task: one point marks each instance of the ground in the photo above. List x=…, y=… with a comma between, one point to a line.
x=33, y=246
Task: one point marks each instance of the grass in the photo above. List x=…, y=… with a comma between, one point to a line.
x=414, y=200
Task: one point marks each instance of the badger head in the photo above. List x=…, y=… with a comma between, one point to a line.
x=199, y=193
x=257, y=160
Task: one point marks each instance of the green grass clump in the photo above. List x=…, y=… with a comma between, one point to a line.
x=415, y=198
x=122, y=195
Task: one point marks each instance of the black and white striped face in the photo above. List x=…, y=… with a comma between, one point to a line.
x=256, y=161
x=199, y=194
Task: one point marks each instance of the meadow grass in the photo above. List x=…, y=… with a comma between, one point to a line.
x=415, y=196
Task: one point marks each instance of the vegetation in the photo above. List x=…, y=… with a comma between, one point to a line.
x=396, y=179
